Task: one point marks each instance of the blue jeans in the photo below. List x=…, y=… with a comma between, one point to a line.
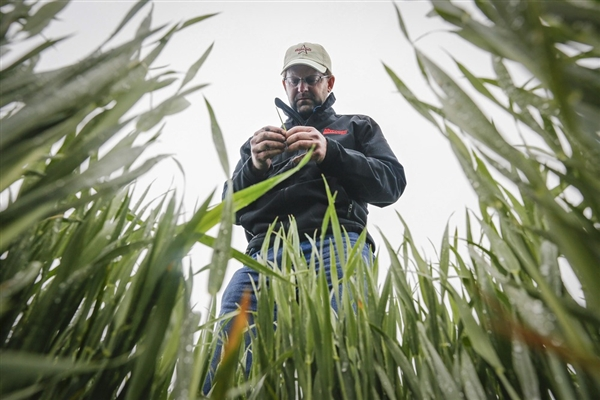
x=244, y=278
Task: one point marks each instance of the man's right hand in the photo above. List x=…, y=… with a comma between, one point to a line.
x=266, y=144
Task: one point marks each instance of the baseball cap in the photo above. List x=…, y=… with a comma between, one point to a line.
x=311, y=54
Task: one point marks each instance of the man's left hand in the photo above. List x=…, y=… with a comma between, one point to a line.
x=305, y=137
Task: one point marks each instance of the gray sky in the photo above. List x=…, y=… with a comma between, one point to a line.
x=243, y=71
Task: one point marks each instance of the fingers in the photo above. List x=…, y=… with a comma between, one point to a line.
x=270, y=141
x=305, y=137
x=301, y=129
x=268, y=134
x=265, y=144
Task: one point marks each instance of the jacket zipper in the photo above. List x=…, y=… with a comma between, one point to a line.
x=290, y=111
x=293, y=114
x=350, y=207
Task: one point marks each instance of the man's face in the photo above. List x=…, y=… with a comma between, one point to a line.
x=303, y=97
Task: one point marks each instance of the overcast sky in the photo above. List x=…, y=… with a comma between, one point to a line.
x=250, y=39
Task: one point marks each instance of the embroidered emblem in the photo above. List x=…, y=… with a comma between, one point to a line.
x=303, y=50
x=328, y=131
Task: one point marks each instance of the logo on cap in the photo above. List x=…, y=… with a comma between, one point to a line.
x=303, y=49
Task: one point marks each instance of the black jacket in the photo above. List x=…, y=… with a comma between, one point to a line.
x=359, y=165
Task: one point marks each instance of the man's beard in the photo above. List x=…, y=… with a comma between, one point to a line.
x=307, y=112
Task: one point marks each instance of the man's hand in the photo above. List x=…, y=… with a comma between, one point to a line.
x=305, y=137
x=266, y=144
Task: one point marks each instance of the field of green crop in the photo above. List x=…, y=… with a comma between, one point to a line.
x=95, y=298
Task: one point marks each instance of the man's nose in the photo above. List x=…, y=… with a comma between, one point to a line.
x=302, y=86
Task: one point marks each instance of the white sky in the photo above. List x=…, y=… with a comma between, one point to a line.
x=243, y=71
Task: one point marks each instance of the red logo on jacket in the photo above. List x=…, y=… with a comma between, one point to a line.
x=328, y=131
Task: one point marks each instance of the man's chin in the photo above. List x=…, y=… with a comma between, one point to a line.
x=305, y=110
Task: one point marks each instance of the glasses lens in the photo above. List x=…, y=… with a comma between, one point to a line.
x=312, y=79
x=292, y=80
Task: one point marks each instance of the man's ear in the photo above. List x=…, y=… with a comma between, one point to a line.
x=330, y=83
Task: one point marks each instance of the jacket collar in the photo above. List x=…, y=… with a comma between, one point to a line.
x=297, y=118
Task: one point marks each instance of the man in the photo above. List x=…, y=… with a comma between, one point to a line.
x=349, y=150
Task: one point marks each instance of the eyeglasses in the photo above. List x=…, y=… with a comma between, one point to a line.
x=310, y=80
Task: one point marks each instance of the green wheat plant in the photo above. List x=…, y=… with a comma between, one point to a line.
x=95, y=286
x=95, y=292
x=94, y=299
x=538, y=202
x=491, y=318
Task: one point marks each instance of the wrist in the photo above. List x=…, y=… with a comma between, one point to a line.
x=258, y=172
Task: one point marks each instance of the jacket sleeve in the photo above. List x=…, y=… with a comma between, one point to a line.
x=371, y=173
x=243, y=175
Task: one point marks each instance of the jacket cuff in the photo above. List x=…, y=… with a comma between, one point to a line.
x=332, y=156
x=251, y=176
